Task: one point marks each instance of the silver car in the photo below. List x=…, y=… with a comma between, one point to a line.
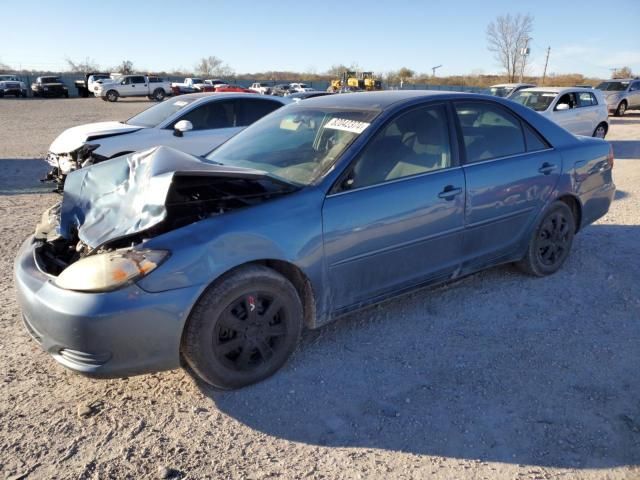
x=621, y=95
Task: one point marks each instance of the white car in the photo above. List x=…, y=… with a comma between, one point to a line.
x=300, y=87
x=507, y=90
x=194, y=123
x=582, y=111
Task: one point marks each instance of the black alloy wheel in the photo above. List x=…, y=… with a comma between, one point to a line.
x=250, y=332
x=551, y=241
x=243, y=328
x=554, y=239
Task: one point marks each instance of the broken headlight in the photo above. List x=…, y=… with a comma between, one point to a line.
x=109, y=271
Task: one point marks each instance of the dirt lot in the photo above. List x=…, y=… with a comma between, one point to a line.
x=498, y=375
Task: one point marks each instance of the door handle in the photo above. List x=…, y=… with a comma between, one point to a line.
x=547, y=168
x=449, y=192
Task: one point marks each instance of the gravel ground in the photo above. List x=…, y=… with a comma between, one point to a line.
x=498, y=375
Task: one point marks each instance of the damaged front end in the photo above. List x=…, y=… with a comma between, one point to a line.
x=64, y=163
x=94, y=239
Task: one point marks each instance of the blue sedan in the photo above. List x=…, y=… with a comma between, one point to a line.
x=320, y=208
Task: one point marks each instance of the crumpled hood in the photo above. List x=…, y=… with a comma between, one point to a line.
x=127, y=195
x=73, y=138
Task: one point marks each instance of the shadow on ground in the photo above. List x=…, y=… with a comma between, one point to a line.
x=496, y=367
x=626, y=149
x=22, y=176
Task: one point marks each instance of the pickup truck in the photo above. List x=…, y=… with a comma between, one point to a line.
x=154, y=88
x=191, y=85
x=49, y=87
x=85, y=87
x=261, y=88
x=12, y=85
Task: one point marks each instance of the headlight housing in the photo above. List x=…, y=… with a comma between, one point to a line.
x=110, y=271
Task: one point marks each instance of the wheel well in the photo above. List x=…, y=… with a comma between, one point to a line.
x=302, y=285
x=573, y=203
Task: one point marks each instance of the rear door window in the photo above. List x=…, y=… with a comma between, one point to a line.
x=587, y=99
x=489, y=131
x=251, y=110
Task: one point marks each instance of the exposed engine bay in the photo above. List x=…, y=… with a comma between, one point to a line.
x=120, y=203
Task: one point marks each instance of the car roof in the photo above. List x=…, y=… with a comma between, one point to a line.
x=384, y=99
x=511, y=85
x=206, y=96
x=558, y=89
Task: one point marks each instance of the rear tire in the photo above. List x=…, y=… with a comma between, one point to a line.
x=600, y=131
x=622, y=108
x=243, y=328
x=112, y=96
x=159, y=94
x=550, y=242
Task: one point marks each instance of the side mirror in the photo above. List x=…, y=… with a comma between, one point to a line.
x=182, y=126
x=562, y=106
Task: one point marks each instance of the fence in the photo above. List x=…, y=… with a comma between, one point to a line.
x=68, y=79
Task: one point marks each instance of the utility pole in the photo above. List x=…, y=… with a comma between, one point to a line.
x=523, y=53
x=546, y=62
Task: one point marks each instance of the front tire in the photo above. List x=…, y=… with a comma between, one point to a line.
x=622, y=108
x=112, y=96
x=243, y=328
x=550, y=242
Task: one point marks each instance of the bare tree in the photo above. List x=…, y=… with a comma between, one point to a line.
x=624, y=72
x=506, y=37
x=125, y=68
x=84, y=66
x=213, y=67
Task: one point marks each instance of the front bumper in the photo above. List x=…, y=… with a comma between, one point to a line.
x=13, y=91
x=113, y=334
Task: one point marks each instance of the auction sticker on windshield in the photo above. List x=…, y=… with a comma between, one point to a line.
x=353, y=126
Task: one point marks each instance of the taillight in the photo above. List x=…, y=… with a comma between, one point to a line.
x=610, y=156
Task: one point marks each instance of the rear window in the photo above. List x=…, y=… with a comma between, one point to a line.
x=613, y=86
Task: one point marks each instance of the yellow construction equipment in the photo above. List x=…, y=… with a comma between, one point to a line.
x=356, y=81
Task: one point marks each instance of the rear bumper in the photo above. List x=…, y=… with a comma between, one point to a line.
x=596, y=203
x=113, y=334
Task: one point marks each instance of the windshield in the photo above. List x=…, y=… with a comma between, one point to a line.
x=296, y=144
x=50, y=80
x=613, y=86
x=154, y=116
x=500, y=91
x=538, y=101
x=8, y=77
x=196, y=80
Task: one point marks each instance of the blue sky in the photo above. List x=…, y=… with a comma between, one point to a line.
x=250, y=36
